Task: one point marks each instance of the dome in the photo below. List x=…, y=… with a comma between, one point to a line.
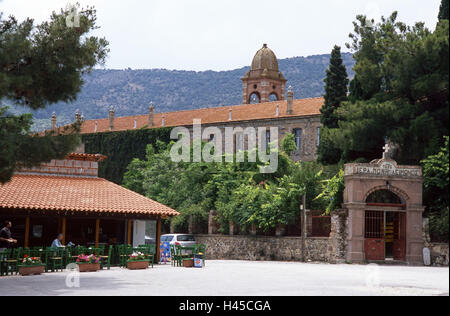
x=265, y=59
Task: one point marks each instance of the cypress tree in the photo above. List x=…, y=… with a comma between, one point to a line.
x=336, y=83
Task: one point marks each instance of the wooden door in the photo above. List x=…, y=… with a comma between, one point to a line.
x=400, y=236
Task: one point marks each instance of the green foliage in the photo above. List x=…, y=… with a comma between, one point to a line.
x=333, y=192
x=121, y=147
x=41, y=65
x=237, y=191
x=288, y=144
x=400, y=91
x=443, y=10
x=436, y=190
x=439, y=225
x=328, y=153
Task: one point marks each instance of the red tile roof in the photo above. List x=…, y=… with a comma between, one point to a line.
x=86, y=157
x=245, y=112
x=76, y=194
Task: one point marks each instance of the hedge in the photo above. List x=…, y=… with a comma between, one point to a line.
x=121, y=147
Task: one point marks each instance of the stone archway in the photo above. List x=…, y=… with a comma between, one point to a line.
x=385, y=178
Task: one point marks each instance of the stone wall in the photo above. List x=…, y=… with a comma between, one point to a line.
x=239, y=247
x=439, y=251
x=337, y=249
x=439, y=254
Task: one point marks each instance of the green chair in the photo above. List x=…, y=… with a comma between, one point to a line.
x=54, y=259
x=152, y=253
x=124, y=253
x=106, y=259
x=10, y=261
x=4, y=265
x=176, y=255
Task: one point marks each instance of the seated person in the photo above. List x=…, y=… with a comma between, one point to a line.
x=57, y=242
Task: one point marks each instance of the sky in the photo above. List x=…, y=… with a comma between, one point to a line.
x=223, y=35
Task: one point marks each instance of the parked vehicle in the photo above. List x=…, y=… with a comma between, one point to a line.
x=149, y=240
x=185, y=240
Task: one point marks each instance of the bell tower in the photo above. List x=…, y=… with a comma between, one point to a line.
x=264, y=82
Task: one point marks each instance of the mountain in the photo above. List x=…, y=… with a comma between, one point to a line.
x=130, y=91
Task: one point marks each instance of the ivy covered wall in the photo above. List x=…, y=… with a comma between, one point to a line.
x=121, y=147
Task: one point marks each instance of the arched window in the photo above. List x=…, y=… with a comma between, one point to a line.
x=273, y=97
x=384, y=197
x=254, y=98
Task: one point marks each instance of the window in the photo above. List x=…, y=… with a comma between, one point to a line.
x=167, y=238
x=298, y=138
x=318, y=136
x=185, y=238
x=239, y=142
x=273, y=97
x=212, y=137
x=267, y=138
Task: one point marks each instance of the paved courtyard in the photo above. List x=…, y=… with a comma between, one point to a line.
x=243, y=278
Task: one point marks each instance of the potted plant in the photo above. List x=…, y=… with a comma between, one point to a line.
x=90, y=263
x=31, y=266
x=137, y=260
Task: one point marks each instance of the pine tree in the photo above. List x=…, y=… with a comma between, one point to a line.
x=41, y=65
x=443, y=10
x=336, y=82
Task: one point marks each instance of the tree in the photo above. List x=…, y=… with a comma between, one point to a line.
x=400, y=91
x=288, y=144
x=336, y=82
x=436, y=191
x=443, y=10
x=42, y=65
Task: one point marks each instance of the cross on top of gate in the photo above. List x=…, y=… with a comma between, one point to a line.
x=387, y=150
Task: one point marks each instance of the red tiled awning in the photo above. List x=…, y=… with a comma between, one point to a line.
x=76, y=194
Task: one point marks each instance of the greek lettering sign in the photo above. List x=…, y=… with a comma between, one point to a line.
x=385, y=168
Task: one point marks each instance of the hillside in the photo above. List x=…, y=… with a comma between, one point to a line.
x=130, y=91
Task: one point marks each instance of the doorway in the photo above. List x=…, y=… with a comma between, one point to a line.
x=385, y=236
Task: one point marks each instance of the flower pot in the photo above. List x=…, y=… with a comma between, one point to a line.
x=188, y=263
x=31, y=270
x=138, y=265
x=88, y=267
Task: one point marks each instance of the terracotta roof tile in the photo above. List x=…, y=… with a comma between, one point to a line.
x=57, y=193
x=245, y=112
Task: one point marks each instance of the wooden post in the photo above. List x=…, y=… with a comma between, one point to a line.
x=97, y=231
x=27, y=231
x=158, y=240
x=129, y=227
x=59, y=225
x=303, y=225
x=63, y=229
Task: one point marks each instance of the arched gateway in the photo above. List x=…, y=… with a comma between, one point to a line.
x=384, y=203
